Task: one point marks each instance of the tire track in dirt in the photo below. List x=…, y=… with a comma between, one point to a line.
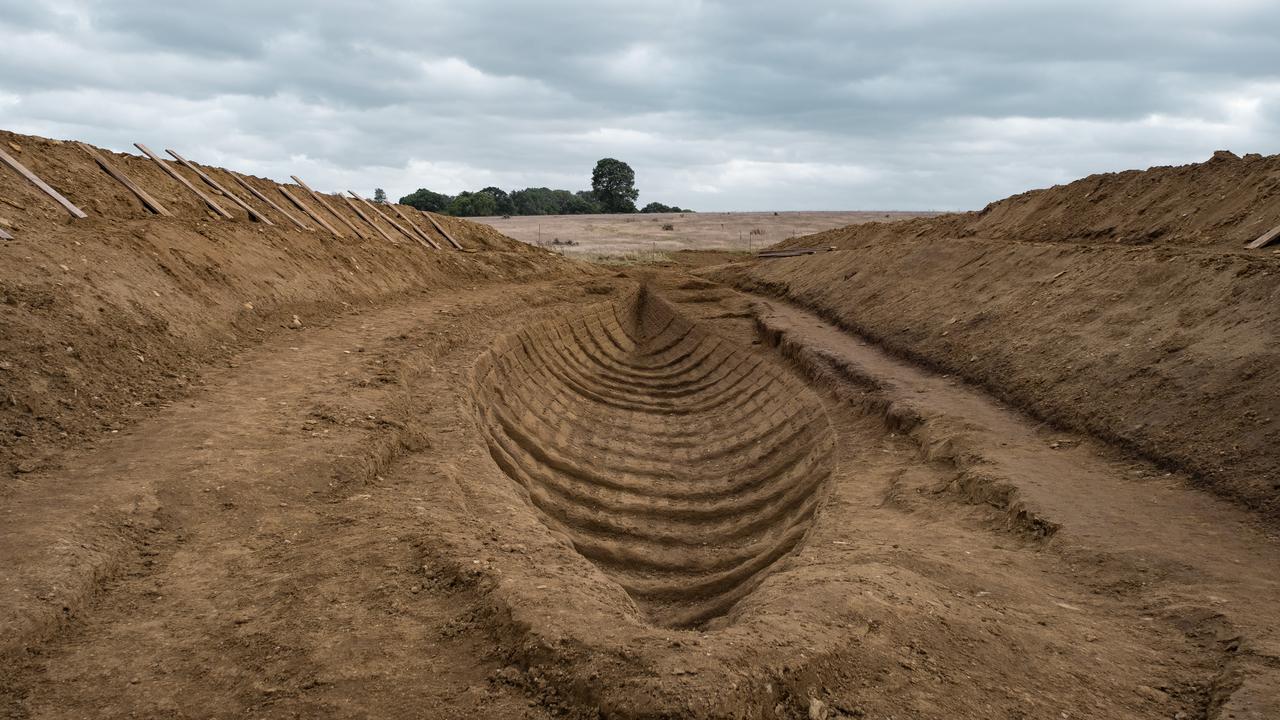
x=681, y=465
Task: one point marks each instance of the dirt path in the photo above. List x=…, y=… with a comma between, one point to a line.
x=262, y=576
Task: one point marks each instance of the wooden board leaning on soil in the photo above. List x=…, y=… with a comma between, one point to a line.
x=366, y=218
x=254, y=214
x=766, y=254
x=443, y=232
x=383, y=215
x=1265, y=239
x=430, y=243
x=254, y=192
x=185, y=182
x=149, y=202
x=323, y=203
x=24, y=172
x=310, y=213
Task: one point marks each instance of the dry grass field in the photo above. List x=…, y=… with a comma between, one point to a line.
x=613, y=236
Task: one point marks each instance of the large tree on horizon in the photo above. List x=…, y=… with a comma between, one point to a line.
x=613, y=183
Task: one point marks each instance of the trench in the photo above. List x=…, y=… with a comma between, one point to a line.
x=684, y=466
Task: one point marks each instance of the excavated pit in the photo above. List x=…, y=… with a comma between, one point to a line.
x=683, y=466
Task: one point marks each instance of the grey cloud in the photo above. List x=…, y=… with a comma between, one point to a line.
x=718, y=105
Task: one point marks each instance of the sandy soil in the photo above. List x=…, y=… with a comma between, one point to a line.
x=507, y=484
x=1168, y=350
x=596, y=236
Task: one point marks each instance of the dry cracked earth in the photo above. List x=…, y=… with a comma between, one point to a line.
x=646, y=495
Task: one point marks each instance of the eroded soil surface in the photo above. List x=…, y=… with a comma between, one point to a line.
x=471, y=504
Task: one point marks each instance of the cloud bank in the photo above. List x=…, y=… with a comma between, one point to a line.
x=931, y=104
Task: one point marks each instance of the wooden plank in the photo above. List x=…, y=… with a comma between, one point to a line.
x=151, y=203
x=24, y=172
x=443, y=232
x=366, y=218
x=795, y=252
x=422, y=235
x=310, y=213
x=187, y=183
x=320, y=199
x=1265, y=239
x=383, y=215
x=254, y=214
x=254, y=192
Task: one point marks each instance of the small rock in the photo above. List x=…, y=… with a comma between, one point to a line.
x=1152, y=694
x=248, y=306
x=509, y=674
x=16, y=147
x=296, y=322
x=818, y=710
x=28, y=466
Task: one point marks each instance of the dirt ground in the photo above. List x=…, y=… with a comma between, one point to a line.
x=505, y=483
x=645, y=235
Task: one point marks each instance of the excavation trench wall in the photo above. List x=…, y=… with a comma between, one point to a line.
x=102, y=317
x=1173, y=353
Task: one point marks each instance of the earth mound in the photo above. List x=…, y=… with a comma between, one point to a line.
x=1222, y=203
x=108, y=316
x=1122, y=305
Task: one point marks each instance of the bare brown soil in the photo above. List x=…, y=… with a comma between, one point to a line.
x=1171, y=351
x=507, y=484
x=680, y=465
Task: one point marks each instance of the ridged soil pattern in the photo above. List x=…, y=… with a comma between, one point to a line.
x=682, y=465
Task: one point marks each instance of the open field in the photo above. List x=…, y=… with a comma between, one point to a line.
x=619, y=235
x=1018, y=463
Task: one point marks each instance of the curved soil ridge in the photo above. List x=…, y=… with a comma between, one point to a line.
x=681, y=465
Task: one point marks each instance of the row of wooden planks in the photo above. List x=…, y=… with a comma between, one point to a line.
x=409, y=229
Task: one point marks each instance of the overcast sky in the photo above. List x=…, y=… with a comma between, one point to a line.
x=893, y=104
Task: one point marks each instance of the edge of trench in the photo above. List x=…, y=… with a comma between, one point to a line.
x=1244, y=677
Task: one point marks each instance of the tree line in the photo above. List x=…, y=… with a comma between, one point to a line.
x=612, y=190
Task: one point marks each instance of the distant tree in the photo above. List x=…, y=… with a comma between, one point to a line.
x=469, y=204
x=502, y=199
x=613, y=183
x=586, y=202
x=380, y=196
x=657, y=207
x=533, y=201
x=424, y=199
